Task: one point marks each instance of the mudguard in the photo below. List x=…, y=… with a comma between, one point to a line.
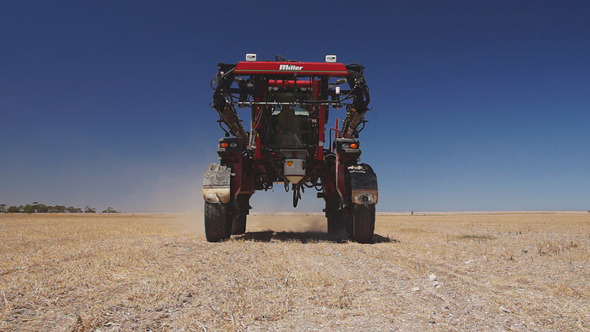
x=217, y=184
x=363, y=184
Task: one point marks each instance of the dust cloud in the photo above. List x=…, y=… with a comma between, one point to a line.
x=311, y=223
x=191, y=222
x=181, y=195
x=287, y=222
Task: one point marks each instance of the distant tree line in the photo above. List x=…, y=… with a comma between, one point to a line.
x=37, y=207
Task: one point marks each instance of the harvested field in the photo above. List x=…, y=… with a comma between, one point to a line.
x=470, y=271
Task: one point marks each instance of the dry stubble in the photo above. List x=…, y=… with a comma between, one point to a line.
x=439, y=271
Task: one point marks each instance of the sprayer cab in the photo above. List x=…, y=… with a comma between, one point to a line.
x=287, y=104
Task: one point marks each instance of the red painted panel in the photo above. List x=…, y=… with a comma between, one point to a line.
x=288, y=83
x=319, y=153
x=288, y=68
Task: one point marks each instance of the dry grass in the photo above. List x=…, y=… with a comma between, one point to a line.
x=155, y=272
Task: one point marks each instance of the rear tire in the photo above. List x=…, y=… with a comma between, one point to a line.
x=242, y=206
x=363, y=223
x=239, y=224
x=218, y=221
x=337, y=224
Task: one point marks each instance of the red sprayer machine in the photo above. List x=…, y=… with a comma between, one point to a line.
x=288, y=103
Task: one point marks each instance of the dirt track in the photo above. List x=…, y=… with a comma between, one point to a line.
x=524, y=271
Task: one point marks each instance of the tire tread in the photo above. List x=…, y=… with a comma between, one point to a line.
x=217, y=222
x=363, y=222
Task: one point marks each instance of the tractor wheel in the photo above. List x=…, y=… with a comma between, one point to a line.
x=218, y=221
x=240, y=214
x=337, y=224
x=363, y=223
x=239, y=224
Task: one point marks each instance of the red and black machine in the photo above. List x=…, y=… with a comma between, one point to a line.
x=288, y=104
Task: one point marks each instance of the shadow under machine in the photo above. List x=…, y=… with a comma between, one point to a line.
x=289, y=103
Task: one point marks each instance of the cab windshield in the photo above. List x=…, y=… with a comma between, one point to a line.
x=289, y=123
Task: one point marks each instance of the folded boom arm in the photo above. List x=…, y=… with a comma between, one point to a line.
x=224, y=103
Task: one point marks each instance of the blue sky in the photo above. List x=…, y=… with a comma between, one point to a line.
x=477, y=105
